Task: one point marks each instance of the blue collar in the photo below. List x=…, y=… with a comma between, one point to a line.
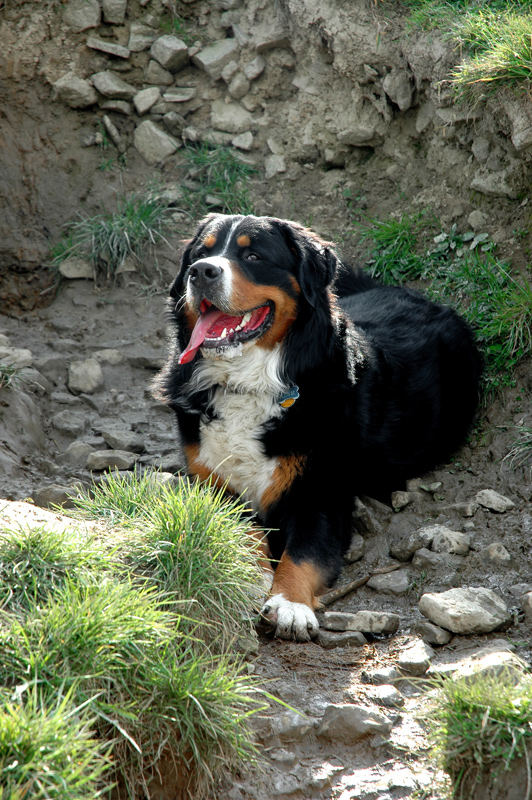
x=289, y=397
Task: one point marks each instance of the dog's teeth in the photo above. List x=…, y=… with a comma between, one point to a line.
x=246, y=318
x=224, y=333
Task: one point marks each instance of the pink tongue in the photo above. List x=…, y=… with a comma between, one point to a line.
x=205, y=321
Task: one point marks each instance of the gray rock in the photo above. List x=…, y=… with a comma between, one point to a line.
x=119, y=106
x=53, y=494
x=356, y=549
x=329, y=639
x=399, y=87
x=349, y=722
x=105, y=46
x=427, y=559
x=69, y=421
x=401, y=499
x=519, y=589
x=111, y=85
x=244, y=141
x=154, y=144
x=397, y=582
x=170, y=52
x=18, y=357
x=447, y=541
x=465, y=610
x=109, y=356
x=114, y=11
x=369, y=516
x=415, y=660
x=74, y=91
x=365, y=621
x=526, y=605
x=497, y=184
x=377, y=677
x=76, y=454
x=404, y=548
x=273, y=165
x=111, y=459
x=497, y=553
x=269, y=37
x=82, y=14
x=145, y=99
x=386, y=695
x=230, y=117
x=179, y=94
x=75, y=267
x=521, y=121
x=141, y=37
x=292, y=726
x=212, y=59
x=122, y=439
x=229, y=71
x=492, y=500
x=432, y=634
x=85, y=376
x=239, y=86
x=477, y=220
x=155, y=74
x=253, y=69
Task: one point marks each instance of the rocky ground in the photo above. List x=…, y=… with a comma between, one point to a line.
x=343, y=116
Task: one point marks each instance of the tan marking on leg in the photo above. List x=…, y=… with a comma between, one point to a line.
x=299, y=583
x=198, y=468
x=284, y=474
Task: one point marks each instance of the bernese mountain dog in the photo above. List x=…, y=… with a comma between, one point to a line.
x=299, y=383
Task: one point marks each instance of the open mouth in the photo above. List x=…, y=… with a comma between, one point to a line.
x=216, y=329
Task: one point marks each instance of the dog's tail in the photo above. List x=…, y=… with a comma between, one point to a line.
x=352, y=280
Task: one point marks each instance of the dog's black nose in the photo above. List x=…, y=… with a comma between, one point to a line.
x=204, y=272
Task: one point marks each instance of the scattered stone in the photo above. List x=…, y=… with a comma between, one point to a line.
x=76, y=454
x=497, y=554
x=230, y=117
x=69, y=421
x=273, y=165
x=75, y=91
x=114, y=11
x=519, y=589
x=448, y=541
x=174, y=123
x=283, y=756
x=397, y=582
x=401, y=500
x=109, y=356
x=292, y=726
x=74, y=267
x=492, y=500
x=212, y=59
x=330, y=639
x=18, y=357
x=477, y=220
x=399, y=87
x=85, y=376
x=114, y=133
x=244, y=141
x=404, y=548
x=253, y=69
x=170, y=52
x=140, y=37
x=356, y=549
x=179, y=94
x=119, y=106
x=82, y=14
x=155, y=74
x=466, y=510
x=154, y=144
x=427, y=559
x=123, y=439
x=53, y=494
x=386, y=695
x=380, y=676
x=145, y=99
x=110, y=459
x=365, y=621
x=271, y=37
x=105, y=46
x=415, y=660
x=432, y=634
x=229, y=71
x=492, y=660
x=526, y=605
x=239, y=86
x=349, y=722
x=368, y=514
x=521, y=121
x=465, y=610
x=111, y=85
x=495, y=184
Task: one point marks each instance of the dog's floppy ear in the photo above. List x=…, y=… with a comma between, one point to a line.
x=316, y=261
x=176, y=289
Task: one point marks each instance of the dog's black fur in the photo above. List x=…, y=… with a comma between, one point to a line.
x=388, y=383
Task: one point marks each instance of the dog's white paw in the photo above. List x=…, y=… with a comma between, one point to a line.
x=292, y=620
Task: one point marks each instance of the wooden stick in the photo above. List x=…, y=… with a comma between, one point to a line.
x=331, y=597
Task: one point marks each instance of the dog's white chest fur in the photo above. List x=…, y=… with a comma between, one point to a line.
x=246, y=397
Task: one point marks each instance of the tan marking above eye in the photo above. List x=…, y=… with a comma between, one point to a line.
x=243, y=240
x=210, y=240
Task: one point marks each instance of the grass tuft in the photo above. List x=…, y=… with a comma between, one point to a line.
x=109, y=239
x=10, y=375
x=220, y=180
x=481, y=725
x=520, y=454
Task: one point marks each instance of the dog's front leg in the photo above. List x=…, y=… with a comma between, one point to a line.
x=309, y=564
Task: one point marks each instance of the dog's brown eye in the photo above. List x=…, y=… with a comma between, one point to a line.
x=251, y=257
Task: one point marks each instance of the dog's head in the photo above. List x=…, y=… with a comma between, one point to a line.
x=245, y=280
